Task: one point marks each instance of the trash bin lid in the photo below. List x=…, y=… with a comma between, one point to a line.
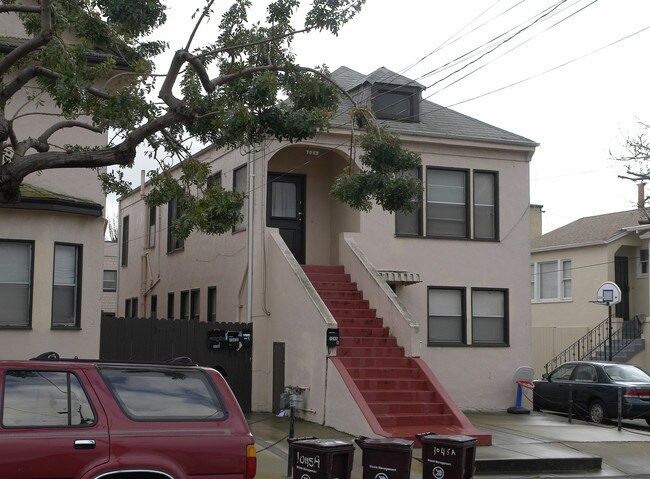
x=453, y=440
x=384, y=443
x=329, y=444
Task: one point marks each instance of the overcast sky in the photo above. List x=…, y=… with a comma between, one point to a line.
x=577, y=112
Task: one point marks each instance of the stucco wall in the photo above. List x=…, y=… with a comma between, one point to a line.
x=46, y=228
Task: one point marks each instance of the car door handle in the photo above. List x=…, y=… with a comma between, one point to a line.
x=84, y=444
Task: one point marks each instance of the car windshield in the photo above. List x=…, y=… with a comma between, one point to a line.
x=626, y=373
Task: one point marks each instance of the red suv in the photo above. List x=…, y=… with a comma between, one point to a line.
x=82, y=419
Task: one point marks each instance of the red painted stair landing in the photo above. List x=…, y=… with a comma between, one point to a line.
x=398, y=395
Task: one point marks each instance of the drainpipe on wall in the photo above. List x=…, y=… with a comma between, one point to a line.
x=251, y=196
x=142, y=306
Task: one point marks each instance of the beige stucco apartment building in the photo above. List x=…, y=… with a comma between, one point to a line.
x=448, y=280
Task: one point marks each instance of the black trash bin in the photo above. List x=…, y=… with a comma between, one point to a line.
x=321, y=458
x=385, y=458
x=451, y=457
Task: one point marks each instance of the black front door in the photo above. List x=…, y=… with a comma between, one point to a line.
x=285, y=210
x=621, y=279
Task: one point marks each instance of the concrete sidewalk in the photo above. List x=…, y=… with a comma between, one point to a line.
x=539, y=445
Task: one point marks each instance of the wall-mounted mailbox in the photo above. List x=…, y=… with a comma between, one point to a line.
x=246, y=338
x=233, y=339
x=332, y=337
x=217, y=339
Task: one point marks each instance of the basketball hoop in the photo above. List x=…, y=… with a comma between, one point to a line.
x=525, y=384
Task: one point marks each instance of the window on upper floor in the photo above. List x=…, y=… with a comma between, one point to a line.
x=125, y=241
x=110, y=280
x=459, y=204
x=173, y=213
x=642, y=263
x=391, y=102
x=151, y=232
x=239, y=186
x=16, y=282
x=551, y=281
x=66, y=287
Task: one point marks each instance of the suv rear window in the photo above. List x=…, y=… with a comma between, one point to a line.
x=155, y=394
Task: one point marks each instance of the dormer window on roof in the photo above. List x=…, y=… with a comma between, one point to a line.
x=396, y=102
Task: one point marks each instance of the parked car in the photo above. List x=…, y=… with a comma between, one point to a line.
x=595, y=388
x=87, y=419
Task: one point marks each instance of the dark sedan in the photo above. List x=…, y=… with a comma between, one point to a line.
x=594, y=387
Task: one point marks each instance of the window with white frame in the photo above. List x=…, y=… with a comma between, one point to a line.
x=110, y=280
x=66, y=288
x=489, y=316
x=642, y=262
x=551, y=280
x=16, y=260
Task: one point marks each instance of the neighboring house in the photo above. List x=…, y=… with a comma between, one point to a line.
x=109, y=289
x=457, y=303
x=568, y=266
x=51, y=243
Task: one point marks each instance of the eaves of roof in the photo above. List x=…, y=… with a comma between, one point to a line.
x=36, y=198
x=96, y=56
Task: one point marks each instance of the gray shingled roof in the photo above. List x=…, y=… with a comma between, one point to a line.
x=435, y=120
x=590, y=230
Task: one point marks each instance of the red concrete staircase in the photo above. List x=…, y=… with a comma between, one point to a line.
x=398, y=395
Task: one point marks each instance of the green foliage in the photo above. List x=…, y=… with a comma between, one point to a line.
x=385, y=179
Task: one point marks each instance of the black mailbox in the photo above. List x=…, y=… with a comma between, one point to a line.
x=332, y=337
x=217, y=339
x=233, y=339
x=246, y=338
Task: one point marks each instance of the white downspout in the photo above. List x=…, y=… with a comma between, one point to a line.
x=251, y=196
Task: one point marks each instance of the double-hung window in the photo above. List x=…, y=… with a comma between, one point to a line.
x=66, y=288
x=173, y=213
x=239, y=186
x=459, y=203
x=447, y=316
x=16, y=276
x=551, y=280
x=489, y=316
x=110, y=280
x=642, y=263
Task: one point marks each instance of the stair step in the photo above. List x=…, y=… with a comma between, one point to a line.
x=368, y=362
x=353, y=313
x=360, y=323
x=341, y=295
x=363, y=332
x=393, y=384
x=368, y=342
x=409, y=407
x=390, y=420
x=381, y=373
x=334, y=286
x=347, y=303
x=321, y=268
x=329, y=277
x=399, y=396
x=394, y=352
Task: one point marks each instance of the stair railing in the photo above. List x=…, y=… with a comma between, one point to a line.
x=597, y=341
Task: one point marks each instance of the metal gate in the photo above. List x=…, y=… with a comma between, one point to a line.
x=226, y=347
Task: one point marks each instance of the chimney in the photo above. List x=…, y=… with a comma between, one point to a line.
x=640, y=202
x=535, y=221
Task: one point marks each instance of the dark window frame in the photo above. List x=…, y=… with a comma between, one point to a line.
x=185, y=304
x=419, y=211
x=173, y=213
x=153, y=309
x=195, y=304
x=463, y=317
x=78, y=286
x=30, y=305
x=495, y=185
x=170, y=305
x=151, y=231
x=125, y=241
x=506, y=317
x=411, y=94
x=241, y=226
x=212, y=304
